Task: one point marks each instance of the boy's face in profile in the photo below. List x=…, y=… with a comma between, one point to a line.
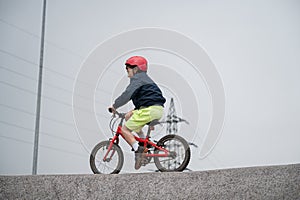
x=130, y=71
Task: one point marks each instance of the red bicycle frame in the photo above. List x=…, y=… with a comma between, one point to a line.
x=145, y=141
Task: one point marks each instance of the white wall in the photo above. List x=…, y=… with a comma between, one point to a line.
x=254, y=46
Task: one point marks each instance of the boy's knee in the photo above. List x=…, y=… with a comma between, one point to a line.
x=128, y=115
x=125, y=130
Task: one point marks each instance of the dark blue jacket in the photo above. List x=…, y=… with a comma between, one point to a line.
x=142, y=91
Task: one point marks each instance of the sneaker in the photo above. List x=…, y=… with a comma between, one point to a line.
x=148, y=145
x=139, y=156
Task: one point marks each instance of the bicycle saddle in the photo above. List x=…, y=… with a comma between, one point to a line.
x=154, y=122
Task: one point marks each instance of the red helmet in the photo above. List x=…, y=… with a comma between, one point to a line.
x=139, y=61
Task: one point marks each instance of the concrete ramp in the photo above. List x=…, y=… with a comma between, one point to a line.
x=272, y=182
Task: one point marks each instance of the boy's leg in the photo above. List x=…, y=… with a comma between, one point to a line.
x=128, y=115
x=128, y=136
x=136, y=121
x=139, y=150
x=127, y=133
x=141, y=134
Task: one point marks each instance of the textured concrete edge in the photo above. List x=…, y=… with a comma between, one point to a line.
x=252, y=182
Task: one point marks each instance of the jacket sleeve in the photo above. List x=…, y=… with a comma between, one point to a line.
x=126, y=95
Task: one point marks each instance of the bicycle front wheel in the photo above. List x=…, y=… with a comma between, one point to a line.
x=105, y=161
x=179, y=151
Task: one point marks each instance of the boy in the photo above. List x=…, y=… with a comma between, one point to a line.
x=147, y=99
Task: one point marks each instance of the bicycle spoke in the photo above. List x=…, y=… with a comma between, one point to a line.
x=106, y=162
x=179, y=154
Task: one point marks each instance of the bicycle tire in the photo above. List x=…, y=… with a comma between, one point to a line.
x=112, y=165
x=167, y=164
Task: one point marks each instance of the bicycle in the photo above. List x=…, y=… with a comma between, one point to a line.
x=171, y=153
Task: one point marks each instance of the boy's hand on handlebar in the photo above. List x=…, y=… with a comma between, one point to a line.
x=112, y=110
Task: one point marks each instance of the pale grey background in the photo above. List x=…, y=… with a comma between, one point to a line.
x=254, y=45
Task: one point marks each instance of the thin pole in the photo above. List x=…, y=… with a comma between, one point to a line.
x=38, y=105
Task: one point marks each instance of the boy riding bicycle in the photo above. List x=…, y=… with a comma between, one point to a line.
x=147, y=99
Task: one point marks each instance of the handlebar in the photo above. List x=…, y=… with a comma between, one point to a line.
x=121, y=115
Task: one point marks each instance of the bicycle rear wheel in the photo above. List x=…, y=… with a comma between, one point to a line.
x=113, y=162
x=180, y=154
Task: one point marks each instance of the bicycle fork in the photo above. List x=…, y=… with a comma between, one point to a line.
x=109, y=148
